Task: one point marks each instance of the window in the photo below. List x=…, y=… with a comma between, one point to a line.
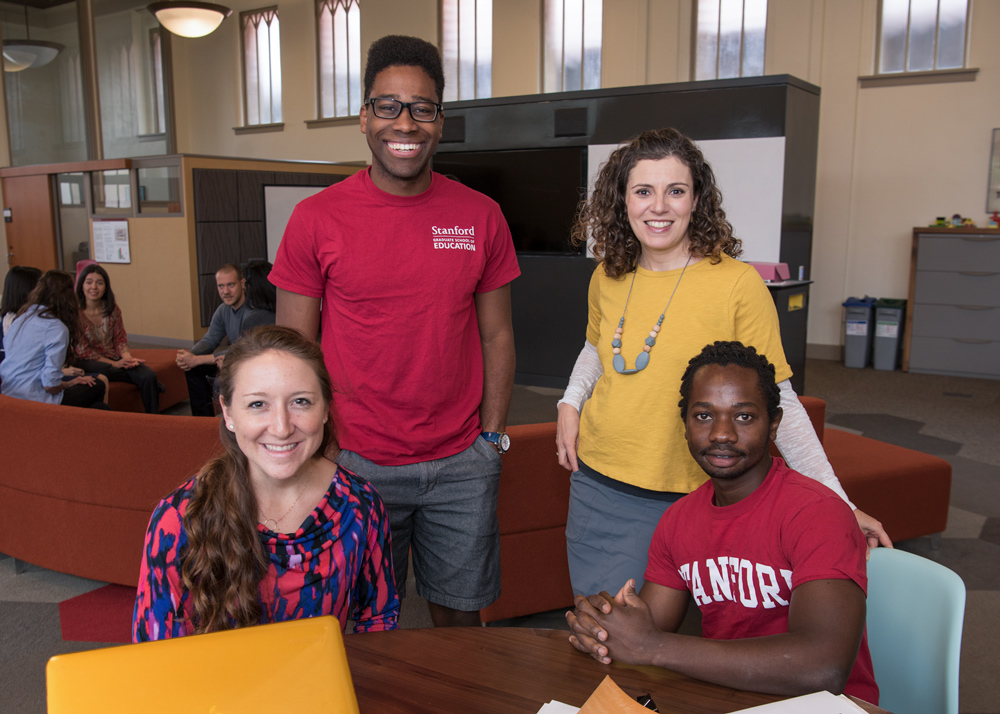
x=261, y=66
x=467, y=48
x=159, y=117
x=922, y=35
x=338, y=24
x=729, y=38
x=572, y=45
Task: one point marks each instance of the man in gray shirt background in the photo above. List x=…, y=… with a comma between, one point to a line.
x=199, y=363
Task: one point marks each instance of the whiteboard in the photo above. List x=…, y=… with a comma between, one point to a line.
x=750, y=173
x=279, y=202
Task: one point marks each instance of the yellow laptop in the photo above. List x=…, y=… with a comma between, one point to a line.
x=292, y=666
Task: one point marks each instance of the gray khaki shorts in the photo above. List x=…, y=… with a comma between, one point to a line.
x=446, y=510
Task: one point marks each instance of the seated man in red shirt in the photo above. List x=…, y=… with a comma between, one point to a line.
x=773, y=559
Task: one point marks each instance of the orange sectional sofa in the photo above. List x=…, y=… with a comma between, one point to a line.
x=77, y=487
x=124, y=397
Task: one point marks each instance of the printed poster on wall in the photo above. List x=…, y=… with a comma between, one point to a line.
x=111, y=242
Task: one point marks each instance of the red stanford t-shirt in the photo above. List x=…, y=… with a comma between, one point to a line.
x=741, y=562
x=398, y=276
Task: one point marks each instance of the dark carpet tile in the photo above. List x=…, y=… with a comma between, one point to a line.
x=896, y=430
x=978, y=488
x=30, y=637
x=991, y=531
x=974, y=560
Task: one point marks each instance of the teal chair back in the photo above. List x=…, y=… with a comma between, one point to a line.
x=915, y=613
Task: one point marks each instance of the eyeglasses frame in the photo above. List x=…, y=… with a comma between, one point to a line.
x=438, y=108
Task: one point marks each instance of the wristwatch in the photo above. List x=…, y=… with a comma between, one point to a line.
x=499, y=439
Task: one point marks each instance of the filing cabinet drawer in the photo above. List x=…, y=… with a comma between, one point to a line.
x=957, y=252
x=942, y=355
x=955, y=321
x=941, y=288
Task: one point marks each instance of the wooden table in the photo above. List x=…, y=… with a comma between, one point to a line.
x=498, y=670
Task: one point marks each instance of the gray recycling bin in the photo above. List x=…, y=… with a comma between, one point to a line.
x=889, y=316
x=858, y=331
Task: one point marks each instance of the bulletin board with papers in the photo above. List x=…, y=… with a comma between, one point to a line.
x=111, y=242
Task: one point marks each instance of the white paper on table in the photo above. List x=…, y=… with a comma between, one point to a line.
x=555, y=707
x=815, y=703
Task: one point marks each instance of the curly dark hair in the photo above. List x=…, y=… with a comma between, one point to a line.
x=604, y=215
x=404, y=51
x=735, y=353
x=109, y=296
x=224, y=561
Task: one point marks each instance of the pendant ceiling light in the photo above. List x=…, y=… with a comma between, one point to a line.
x=190, y=19
x=24, y=54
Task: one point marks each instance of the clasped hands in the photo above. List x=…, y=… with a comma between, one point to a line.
x=619, y=627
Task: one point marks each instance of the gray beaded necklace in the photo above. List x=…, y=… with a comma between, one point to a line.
x=616, y=344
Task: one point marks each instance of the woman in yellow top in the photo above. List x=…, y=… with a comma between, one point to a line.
x=668, y=283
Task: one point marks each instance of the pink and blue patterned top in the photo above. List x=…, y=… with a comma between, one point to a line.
x=339, y=562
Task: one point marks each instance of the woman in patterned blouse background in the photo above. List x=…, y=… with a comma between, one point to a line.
x=270, y=530
x=103, y=344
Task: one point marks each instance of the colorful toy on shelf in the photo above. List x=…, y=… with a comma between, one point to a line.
x=956, y=220
x=968, y=223
x=994, y=221
x=941, y=222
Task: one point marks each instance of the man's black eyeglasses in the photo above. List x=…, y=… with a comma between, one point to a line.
x=388, y=108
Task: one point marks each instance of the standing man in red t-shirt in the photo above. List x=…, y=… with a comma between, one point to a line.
x=774, y=560
x=412, y=271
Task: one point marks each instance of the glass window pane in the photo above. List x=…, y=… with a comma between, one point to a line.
x=484, y=49
x=892, y=47
x=250, y=68
x=951, y=34
x=467, y=49
x=592, y=37
x=263, y=73
x=324, y=31
x=572, y=45
x=707, y=40
x=159, y=189
x=923, y=31
x=112, y=192
x=754, y=26
x=730, y=29
x=552, y=81
x=354, y=65
x=275, y=46
x=340, y=81
x=450, y=48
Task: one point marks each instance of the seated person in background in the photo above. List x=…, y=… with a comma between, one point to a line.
x=774, y=560
x=261, y=295
x=39, y=345
x=199, y=363
x=103, y=345
x=271, y=530
x=17, y=285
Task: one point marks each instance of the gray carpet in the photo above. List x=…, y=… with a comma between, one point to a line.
x=957, y=419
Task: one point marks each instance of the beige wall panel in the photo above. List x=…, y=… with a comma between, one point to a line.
x=623, y=56
x=154, y=290
x=517, y=63
x=668, y=41
x=839, y=80
x=789, y=42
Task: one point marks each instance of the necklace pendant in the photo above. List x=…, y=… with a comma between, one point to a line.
x=273, y=527
x=619, y=363
x=641, y=361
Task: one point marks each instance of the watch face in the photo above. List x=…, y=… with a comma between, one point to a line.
x=504, y=443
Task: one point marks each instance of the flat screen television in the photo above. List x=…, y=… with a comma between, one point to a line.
x=537, y=189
